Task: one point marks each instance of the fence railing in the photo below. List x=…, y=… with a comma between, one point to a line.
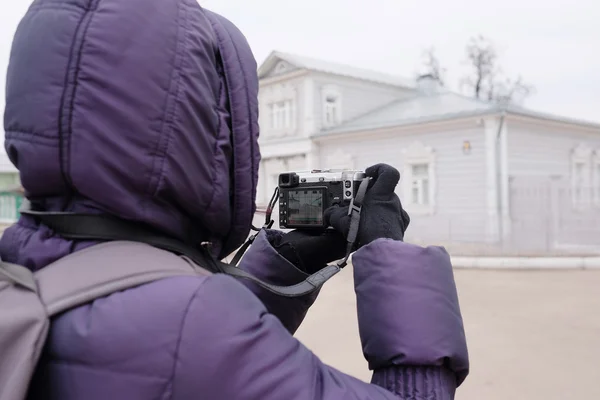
x=545, y=218
x=556, y=217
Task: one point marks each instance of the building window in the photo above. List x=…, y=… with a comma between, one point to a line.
x=282, y=115
x=332, y=112
x=420, y=184
x=332, y=107
x=581, y=188
x=419, y=179
x=579, y=182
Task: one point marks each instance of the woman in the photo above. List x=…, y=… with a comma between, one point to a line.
x=147, y=110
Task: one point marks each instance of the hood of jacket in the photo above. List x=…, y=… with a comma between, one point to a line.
x=142, y=109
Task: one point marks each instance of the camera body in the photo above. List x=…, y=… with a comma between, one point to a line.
x=304, y=196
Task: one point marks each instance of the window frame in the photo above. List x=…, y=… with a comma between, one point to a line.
x=419, y=154
x=581, y=155
x=282, y=115
x=330, y=91
x=419, y=182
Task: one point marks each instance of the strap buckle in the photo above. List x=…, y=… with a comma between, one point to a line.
x=354, y=208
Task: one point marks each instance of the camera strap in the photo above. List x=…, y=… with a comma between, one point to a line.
x=354, y=213
x=76, y=226
x=267, y=225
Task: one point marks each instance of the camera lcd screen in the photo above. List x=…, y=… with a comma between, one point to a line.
x=305, y=207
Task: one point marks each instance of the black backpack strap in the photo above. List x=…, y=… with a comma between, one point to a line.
x=105, y=228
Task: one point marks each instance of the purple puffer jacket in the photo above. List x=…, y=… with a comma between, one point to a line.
x=147, y=110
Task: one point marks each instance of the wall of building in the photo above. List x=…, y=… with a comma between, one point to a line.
x=9, y=180
x=357, y=97
x=292, y=148
x=9, y=202
x=460, y=202
x=293, y=89
x=549, y=211
x=536, y=148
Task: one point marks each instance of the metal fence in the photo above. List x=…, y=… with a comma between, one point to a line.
x=555, y=217
x=545, y=218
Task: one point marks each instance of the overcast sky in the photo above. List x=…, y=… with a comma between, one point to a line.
x=554, y=45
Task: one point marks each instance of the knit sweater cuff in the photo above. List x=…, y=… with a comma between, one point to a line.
x=416, y=382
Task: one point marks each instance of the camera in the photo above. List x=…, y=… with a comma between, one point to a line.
x=304, y=196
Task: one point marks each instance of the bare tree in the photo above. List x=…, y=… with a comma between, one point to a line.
x=485, y=80
x=512, y=91
x=432, y=66
x=482, y=57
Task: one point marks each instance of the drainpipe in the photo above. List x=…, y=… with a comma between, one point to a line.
x=499, y=178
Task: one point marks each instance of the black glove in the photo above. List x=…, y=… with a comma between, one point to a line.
x=311, y=251
x=382, y=215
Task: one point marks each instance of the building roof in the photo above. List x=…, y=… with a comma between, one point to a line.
x=438, y=107
x=329, y=67
x=420, y=108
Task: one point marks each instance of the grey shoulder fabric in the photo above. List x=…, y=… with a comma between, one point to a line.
x=104, y=269
x=30, y=299
x=23, y=328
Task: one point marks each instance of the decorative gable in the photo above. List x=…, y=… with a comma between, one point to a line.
x=281, y=68
x=275, y=66
x=582, y=151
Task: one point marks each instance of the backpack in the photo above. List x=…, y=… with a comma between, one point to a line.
x=29, y=300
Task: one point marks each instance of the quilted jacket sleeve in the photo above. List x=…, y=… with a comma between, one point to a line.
x=264, y=262
x=410, y=325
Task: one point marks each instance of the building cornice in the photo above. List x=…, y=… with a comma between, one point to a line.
x=283, y=77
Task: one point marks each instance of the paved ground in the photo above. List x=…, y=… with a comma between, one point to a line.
x=532, y=334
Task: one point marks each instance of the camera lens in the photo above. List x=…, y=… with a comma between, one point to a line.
x=348, y=193
x=348, y=184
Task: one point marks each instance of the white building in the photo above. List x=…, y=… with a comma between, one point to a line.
x=10, y=199
x=475, y=176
